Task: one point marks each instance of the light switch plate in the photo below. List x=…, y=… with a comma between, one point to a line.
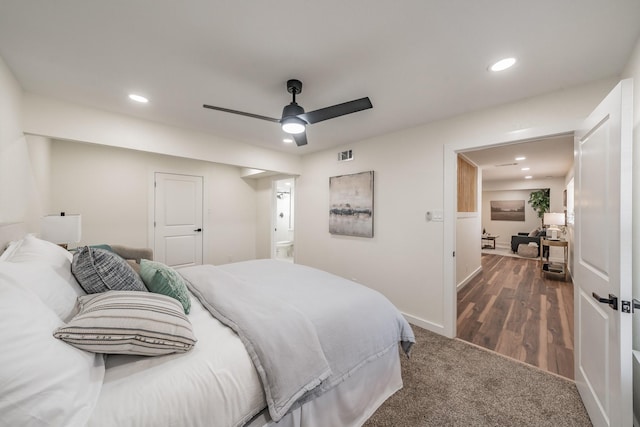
x=435, y=215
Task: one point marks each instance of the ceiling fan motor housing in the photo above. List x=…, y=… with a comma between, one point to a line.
x=294, y=86
x=292, y=110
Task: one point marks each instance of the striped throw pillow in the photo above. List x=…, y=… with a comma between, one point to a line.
x=129, y=322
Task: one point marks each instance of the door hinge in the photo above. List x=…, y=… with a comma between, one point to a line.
x=454, y=254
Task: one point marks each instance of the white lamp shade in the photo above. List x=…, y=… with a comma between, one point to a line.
x=61, y=229
x=551, y=218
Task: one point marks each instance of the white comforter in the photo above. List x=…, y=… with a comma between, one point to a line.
x=141, y=391
x=306, y=330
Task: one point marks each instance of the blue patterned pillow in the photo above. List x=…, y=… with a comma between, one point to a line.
x=98, y=270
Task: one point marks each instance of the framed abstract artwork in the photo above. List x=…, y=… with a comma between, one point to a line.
x=351, y=204
x=507, y=210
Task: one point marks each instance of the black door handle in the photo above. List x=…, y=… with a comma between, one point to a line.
x=198, y=230
x=612, y=300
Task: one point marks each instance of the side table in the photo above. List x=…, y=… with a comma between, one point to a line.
x=488, y=241
x=554, y=268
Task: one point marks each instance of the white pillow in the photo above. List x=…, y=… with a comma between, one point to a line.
x=55, y=286
x=44, y=381
x=30, y=248
x=9, y=250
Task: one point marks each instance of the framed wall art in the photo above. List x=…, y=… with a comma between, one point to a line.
x=351, y=204
x=507, y=210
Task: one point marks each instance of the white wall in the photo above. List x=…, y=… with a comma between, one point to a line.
x=405, y=258
x=632, y=70
x=61, y=120
x=264, y=210
x=23, y=193
x=468, y=245
x=112, y=189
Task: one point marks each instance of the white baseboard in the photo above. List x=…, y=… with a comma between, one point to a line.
x=468, y=279
x=425, y=324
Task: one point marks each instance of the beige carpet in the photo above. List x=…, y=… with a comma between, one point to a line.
x=448, y=382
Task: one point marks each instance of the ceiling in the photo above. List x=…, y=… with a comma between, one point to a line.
x=418, y=60
x=545, y=158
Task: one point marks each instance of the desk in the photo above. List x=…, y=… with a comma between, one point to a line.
x=554, y=268
x=488, y=241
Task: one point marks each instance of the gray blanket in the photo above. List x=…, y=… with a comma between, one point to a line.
x=306, y=330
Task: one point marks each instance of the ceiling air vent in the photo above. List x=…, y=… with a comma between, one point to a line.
x=345, y=156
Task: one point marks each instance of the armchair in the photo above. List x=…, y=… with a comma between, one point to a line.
x=523, y=238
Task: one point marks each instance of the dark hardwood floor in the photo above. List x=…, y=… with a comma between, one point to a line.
x=512, y=309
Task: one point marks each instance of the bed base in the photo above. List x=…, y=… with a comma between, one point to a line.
x=350, y=403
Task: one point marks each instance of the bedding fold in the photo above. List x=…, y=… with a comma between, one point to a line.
x=305, y=330
x=266, y=326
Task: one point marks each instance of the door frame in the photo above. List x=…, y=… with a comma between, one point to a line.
x=450, y=311
x=274, y=208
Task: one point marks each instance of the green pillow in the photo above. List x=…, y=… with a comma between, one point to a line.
x=102, y=246
x=162, y=279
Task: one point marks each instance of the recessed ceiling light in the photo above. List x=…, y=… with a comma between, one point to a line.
x=521, y=158
x=138, y=98
x=287, y=140
x=528, y=177
x=525, y=169
x=503, y=64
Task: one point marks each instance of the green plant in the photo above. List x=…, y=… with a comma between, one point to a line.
x=539, y=201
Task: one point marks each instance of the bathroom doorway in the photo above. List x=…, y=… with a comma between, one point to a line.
x=283, y=219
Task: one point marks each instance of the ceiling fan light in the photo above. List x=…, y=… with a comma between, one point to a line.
x=293, y=125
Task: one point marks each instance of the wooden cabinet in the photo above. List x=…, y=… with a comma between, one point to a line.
x=554, y=268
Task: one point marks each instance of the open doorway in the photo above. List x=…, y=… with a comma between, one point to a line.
x=510, y=306
x=283, y=219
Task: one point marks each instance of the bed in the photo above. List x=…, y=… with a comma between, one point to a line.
x=258, y=347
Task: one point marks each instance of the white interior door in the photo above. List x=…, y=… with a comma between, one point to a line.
x=178, y=219
x=603, y=162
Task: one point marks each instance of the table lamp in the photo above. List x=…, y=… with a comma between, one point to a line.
x=61, y=229
x=553, y=220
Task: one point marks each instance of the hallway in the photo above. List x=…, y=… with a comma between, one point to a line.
x=511, y=309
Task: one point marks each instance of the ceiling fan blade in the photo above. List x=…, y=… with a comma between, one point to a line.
x=242, y=113
x=336, y=110
x=300, y=138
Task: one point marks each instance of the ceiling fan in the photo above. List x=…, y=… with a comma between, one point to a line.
x=294, y=120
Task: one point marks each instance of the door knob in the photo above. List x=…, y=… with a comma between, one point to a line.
x=612, y=300
x=198, y=230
